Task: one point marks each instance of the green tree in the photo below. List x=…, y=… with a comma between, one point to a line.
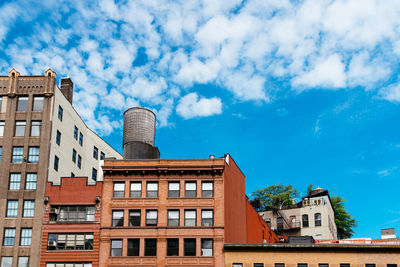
x=275, y=197
x=343, y=219
x=310, y=188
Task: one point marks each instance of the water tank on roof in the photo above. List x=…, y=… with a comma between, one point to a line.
x=139, y=132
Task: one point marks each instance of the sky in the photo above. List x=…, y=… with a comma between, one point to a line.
x=298, y=92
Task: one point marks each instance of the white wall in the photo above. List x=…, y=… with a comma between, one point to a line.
x=68, y=142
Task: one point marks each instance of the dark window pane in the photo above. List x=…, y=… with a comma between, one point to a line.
x=279, y=265
x=207, y=218
x=102, y=156
x=118, y=218
x=134, y=218
x=94, y=174
x=56, y=163
x=116, y=247
x=119, y=190
x=190, y=189
x=317, y=217
x=133, y=247
x=305, y=220
x=95, y=152
x=150, y=247
x=189, y=245
x=81, y=139
x=258, y=264
x=79, y=163
x=302, y=265
x=172, y=247
x=58, y=138
x=206, y=247
x=60, y=113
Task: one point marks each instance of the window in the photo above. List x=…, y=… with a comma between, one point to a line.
x=190, y=217
x=70, y=241
x=73, y=155
x=33, y=154
x=173, y=217
x=81, y=139
x=389, y=265
x=172, y=247
x=173, y=189
x=305, y=220
x=56, y=163
x=151, y=218
x=72, y=174
x=72, y=213
x=31, y=179
x=23, y=261
x=58, y=137
x=6, y=261
x=347, y=265
x=1, y=151
x=15, y=180
x=12, y=208
x=79, y=163
x=29, y=208
x=35, y=128
x=9, y=237
x=134, y=218
x=20, y=128
x=189, y=246
x=38, y=103
x=317, y=217
x=302, y=265
x=206, y=247
x=279, y=265
x=150, y=247
x=207, y=189
x=323, y=265
x=237, y=265
x=17, y=154
x=1, y=103
x=26, y=237
x=22, y=104
x=69, y=264
x=102, y=156
x=133, y=247
x=258, y=265
x=370, y=265
x=60, y=113
x=136, y=189
x=95, y=152
x=190, y=189
x=206, y=218
x=119, y=190
x=152, y=189
x=2, y=128
x=76, y=133
x=94, y=174
x=118, y=218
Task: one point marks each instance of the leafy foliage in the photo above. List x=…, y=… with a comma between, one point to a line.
x=343, y=219
x=275, y=197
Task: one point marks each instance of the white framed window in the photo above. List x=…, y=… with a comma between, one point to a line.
x=190, y=189
x=136, y=189
x=152, y=189
x=173, y=189
x=119, y=190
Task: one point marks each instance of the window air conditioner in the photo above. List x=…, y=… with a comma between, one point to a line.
x=51, y=243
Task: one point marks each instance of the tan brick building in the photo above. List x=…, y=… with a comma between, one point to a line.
x=311, y=255
x=40, y=132
x=177, y=212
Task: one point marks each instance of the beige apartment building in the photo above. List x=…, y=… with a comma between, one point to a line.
x=311, y=255
x=39, y=132
x=313, y=216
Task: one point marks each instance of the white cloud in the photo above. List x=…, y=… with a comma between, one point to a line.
x=243, y=47
x=328, y=73
x=191, y=106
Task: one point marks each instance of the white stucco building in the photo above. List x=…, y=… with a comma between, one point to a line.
x=313, y=216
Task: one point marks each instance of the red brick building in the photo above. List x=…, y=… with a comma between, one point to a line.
x=71, y=224
x=162, y=212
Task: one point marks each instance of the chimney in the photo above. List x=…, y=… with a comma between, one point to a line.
x=139, y=132
x=67, y=88
x=388, y=233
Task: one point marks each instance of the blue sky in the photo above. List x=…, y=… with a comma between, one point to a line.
x=298, y=92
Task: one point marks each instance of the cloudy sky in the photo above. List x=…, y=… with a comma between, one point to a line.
x=298, y=92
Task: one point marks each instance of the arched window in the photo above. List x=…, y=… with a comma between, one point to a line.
x=317, y=217
x=305, y=220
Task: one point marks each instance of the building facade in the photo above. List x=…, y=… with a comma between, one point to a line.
x=71, y=224
x=311, y=255
x=174, y=212
x=35, y=146
x=313, y=216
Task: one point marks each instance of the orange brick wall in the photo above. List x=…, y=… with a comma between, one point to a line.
x=257, y=229
x=235, y=203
